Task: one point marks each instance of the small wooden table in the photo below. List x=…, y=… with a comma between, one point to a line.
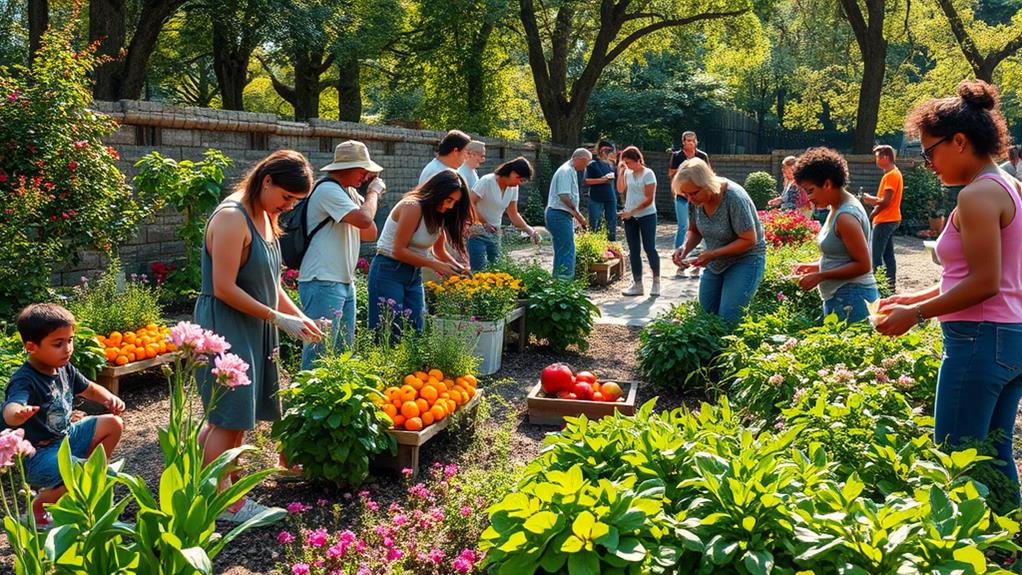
x=409, y=442
x=552, y=411
x=516, y=320
x=108, y=376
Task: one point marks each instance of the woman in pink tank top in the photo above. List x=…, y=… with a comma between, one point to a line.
x=979, y=298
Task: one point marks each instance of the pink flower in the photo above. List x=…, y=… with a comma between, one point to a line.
x=297, y=507
x=906, y=381
x=394, y=555
x=462, y=566
x=372, y=505
x=316, y=538
x=466, y=511
x=321, y=502
x=776, y=379
x=211, y=342
x=436, y=555
x=300, y=569
x=347, y=536
x=285, y=537
x=400, y=520
x=407, y=472
x=13, y=444
x=230, y=371
x=186, y=335
x=450, y=470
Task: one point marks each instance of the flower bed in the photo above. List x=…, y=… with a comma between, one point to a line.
x=787, y=227
x=485, y=296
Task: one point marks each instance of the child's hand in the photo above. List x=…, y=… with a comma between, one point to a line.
x=115, y=405
x=23, y=413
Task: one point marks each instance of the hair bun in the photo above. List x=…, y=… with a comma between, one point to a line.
x=979, y=94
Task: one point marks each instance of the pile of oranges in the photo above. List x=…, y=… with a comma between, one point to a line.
x=143, y=343
x=426, y=398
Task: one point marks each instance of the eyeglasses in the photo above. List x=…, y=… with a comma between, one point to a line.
x=927, y=153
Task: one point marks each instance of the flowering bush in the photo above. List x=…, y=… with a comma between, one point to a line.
x=105, y=308
x=61, y=188
x=484, y=296
x=435, y=532
x=784, y=227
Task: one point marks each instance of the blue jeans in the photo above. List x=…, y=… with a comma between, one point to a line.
x=483, y=251
x=979, y=386
x=42, y=470
x=604, y=213
x=728, y=293
x=560, y=225
x=328, y=300
x=395, y=284
x=883, y=249
x=849, y=302
x=643, y=229
x=681, y=214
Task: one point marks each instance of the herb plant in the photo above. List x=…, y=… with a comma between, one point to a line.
x=561, y=314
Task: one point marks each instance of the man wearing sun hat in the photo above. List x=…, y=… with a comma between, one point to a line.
x=326, y=277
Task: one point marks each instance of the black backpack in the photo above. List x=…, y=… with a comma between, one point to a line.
x=297, y=236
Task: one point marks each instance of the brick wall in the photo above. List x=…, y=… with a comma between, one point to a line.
x=246, y=137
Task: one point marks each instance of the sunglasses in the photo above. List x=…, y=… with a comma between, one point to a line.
x=927, y=153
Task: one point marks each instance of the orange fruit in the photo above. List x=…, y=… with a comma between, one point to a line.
x=121, y=359
x=152, y=350
x=445, y=395
x=413, y=424
x=442, y=386
x=112, y=353
x=471, y=379
x=131, y=356
x=399, y=420
x=427, y=418
x=422, y=404
x=429, y=393
x=461, y=381
x=437, y=374
x=161, y=347
x=408, y=393
x=411, y=380
x=152, y=327
x=171, y=347
x=115, y=338
x=451, y=406
x=423, y=376
x=390, y=409
x=433, y=381
x=471, y=392
x=390, y=392
x=129, y=337
x=409, y=409
x=438, y=412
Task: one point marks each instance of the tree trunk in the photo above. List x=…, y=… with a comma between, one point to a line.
x=475, y=71
x=349, y=91
x=309, y=66
x=106, y=23
x=869, y=35
x=566, y=128
x=230, y=63
x=38, y=21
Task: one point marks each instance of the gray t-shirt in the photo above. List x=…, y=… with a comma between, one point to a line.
x=735, y=214
x=470, y=175
x=564, y=181
x=834, y=253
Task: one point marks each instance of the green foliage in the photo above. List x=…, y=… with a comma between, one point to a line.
x=532, y=274
x=591, y=247
x=393, y=358
x=762, y=187
x=561, y=314
x=12, y=355
x=193, y=189
x=332, y=428
x=675, y=348
x=100, y=305
x=88, y=356
x=924, y=197
x=778, y=286
x=61, y=189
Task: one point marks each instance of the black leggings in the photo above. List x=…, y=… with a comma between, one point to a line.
x=643, y=228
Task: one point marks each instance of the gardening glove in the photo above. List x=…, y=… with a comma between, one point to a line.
x=293, y=326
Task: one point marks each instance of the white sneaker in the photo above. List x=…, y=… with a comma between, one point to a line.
x=634, y=289
x=654, y=291
x=248, y=510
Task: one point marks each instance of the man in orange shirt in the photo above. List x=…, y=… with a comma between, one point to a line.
x=886, y=216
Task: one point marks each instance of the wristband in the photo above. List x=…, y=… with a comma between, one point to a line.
x=919, y=315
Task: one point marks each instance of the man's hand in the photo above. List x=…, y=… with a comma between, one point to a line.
x=20, y=413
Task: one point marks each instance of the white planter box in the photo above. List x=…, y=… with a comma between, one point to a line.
x=489, y=343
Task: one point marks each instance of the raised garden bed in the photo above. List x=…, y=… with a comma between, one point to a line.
x=607, y=272
x=552, y=411
x=409, y=442
x=110, y=375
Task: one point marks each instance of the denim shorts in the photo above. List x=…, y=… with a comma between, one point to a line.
x=42, y=470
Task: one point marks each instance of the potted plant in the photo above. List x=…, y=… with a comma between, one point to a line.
x=597, y=258
x=476, y=304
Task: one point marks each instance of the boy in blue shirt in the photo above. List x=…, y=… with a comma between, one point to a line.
x=39, y=396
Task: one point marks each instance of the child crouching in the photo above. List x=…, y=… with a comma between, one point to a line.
x=39, y=397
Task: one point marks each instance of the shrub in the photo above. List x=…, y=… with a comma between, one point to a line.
x=675, y=347
x=784, y=227
x=531, y=273
x=485, y=296
x=593, y=247
x=761, y=186
x=778, y=286
x=103, y=307
x=332, y=427
x=561, y=314
x=61, y=187
x=924, y=197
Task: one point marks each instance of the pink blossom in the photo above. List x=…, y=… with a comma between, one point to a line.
x=364, y=570
x=906, y=381
x=450, y=470
x=466, y=510
x=347, y=536
x=337, y=550
x=776, y=379
x=300, y=569
x=297, y=507
x=13, y=444
x=419, y=490
x=394, y=508
x=186, y=335
x=285, y=537
x=461, y=565
x=316, y=538
x=372, y=505
x=400, y=520
x=230, y=371
x=321, y=502
x=394, y=555
x=211, y=342
x=436, y=514
x=468, y=555
x=436, y=555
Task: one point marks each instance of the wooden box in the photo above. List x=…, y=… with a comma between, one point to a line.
x=109, y=375
x=552, y=411
x=409, y=442
x=606, y=272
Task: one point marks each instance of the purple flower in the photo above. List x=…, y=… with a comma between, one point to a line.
x=781, y=296
x=285, y=537
x=391, y=302
x=321, y=502
x=407, y=313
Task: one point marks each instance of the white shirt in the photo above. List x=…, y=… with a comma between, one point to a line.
x=635, y=193
x=333, y=251
x=470, y=175
x=434, y=167
x=564, y=181
x=493, y=202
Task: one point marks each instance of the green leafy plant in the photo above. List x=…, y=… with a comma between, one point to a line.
x=593, y=247
x=88, y=356
x=676, y=347
x=561, y=314
x=928, y=197
x=530, y=272
x=332, y=427
x=103, y=307
x=761, y=187
x=61, y=188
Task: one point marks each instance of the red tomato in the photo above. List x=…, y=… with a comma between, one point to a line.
x=583, y=391
x=586, y=376
x=556, y=377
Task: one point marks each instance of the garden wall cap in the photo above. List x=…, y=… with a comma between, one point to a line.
x=351, y=154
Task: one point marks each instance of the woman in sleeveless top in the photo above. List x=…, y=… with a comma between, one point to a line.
x=844, y=272
x=979, y=298
x=414, y=237
x=241, y=299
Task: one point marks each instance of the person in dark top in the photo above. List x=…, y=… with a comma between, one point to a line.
x=599, y=176
x=38, y=400
x=688, y=151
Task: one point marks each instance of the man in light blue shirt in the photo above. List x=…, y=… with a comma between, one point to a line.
x=562, y=212
x=475, y=155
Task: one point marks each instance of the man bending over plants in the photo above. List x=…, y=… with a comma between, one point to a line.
x=38, y=400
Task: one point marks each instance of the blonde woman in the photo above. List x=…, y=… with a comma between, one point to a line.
x=722, y=214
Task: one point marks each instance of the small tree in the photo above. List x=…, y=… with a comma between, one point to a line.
x=61, y=186
x=761, y=187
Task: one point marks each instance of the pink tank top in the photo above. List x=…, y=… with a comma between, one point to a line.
x=1006, y=306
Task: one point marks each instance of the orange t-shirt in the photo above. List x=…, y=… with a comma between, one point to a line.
x=892, y=183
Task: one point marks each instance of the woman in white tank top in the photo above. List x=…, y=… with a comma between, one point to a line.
x=413, y=237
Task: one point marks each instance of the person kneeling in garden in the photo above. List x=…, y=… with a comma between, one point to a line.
x=844, y=273
x=39, y=397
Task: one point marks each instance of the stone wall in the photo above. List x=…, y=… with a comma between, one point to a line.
x=185, y=133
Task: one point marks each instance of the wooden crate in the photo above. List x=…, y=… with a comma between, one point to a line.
x=108, y=376
x=552, y=411
x=606, y=272
x=409, y=442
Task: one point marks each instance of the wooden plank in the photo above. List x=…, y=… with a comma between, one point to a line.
x=137, y=366
x=552, y=411
x=419, y=438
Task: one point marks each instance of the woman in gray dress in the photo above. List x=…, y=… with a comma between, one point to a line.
x=242, y=300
